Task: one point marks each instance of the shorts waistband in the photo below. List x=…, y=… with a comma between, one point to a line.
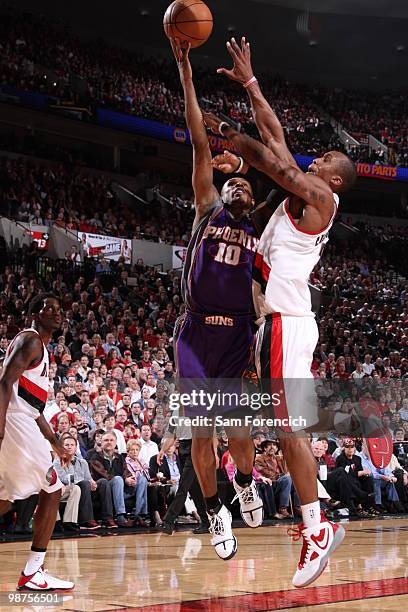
x=219, y=320
x=273, y=315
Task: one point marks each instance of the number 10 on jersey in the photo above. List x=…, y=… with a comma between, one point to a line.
x=228, y=253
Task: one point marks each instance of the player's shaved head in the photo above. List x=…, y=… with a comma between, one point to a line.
x=347, y=171
x=335, y=169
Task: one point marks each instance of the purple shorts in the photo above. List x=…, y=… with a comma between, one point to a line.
x=212, y=354
x=213, y=346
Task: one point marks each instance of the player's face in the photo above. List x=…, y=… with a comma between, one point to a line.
x=237, y=194
x=326, y=167
x=50, y=315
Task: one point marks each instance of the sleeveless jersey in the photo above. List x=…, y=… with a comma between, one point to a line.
x=30, y=392
x=285, y=259
x=217, y=274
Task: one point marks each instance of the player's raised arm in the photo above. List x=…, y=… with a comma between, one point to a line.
x=27, y=350
x=313, y=190
x=204, y=191
x=268, y=124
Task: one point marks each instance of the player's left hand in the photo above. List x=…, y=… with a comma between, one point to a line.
x=241, y=56
x=64, y=456
x=226, y=162
x=212, y=122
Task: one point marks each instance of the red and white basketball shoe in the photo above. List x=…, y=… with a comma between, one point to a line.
x=319, y=542
x=43, y=581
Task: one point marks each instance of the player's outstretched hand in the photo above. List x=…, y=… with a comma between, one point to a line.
x=181, y=50
x=241, y=56
x=226, y=162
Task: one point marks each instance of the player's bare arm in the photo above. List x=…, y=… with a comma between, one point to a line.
x=315, y=194
x=268, y=124
x=205, y=194
x=27, y=350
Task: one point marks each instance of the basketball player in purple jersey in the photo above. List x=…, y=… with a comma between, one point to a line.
x=26, y=438
x=215, y=339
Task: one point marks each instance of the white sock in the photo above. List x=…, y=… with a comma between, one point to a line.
x=311, y=514
x=34, y=562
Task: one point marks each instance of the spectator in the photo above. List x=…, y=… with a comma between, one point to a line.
x=77, y=474
x=270, y=464
x=107, y=469
x=137, y=479
x=109, y=425
x=149, y=448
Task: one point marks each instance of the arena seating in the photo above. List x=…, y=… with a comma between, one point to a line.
x=37, y=55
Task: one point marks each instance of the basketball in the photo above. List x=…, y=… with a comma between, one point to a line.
x=189, y=20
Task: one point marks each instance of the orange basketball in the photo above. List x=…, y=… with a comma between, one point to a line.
x=189, y=20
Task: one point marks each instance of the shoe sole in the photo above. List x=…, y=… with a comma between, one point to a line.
x=28, y=589
x=233, y=552
x=337, y=540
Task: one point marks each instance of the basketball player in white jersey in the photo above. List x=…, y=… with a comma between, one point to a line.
x=288, y=250
x=25, y=438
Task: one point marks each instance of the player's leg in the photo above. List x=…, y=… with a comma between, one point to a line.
x=192, y=350
x=33, y=577
x=36, y=466
x=242, y=449
x=220, y=520
x=285, y=360
x=239, y=343
x=203, y=456
x=196, y=363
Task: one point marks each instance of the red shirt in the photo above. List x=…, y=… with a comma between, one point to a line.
x=117, y=399
x=54, y=420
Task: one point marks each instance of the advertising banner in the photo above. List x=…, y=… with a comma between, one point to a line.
x=94, y=245
x=179, y=255
x=41, y=238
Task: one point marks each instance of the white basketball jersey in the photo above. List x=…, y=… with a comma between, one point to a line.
x=284, y=261
x=30, y=391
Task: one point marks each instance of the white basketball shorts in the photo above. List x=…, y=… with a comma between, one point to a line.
x=25, y=460
x=283, y=357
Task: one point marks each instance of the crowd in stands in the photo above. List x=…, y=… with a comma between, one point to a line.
x=384, y=115
x=39, y=56
x=78, y=200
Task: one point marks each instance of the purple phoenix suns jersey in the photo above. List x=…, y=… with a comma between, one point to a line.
x=217, y=275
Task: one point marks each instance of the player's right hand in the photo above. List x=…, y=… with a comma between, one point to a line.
x=181, y=49
x=241, y=56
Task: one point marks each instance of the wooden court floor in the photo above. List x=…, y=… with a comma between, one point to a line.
x=181, y=573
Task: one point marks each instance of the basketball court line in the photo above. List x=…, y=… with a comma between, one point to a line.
x=284, y=599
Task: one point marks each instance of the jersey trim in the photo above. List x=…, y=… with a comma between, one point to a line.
x=260, y=271
x=34, y=331
x=192, y=253
x=32, y=393
x=300, y=230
